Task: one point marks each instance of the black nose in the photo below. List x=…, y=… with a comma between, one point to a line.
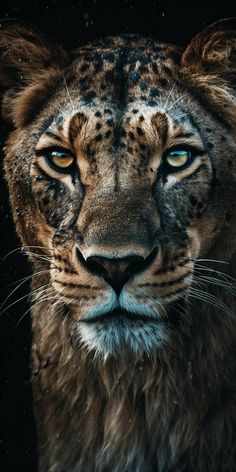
x=116, y=271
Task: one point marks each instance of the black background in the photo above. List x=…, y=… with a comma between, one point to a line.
x=70, y=23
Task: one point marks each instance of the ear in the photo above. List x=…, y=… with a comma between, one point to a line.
x=214, y=49
x=209, y=63
x=27, y=60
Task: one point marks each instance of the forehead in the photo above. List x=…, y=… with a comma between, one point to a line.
x=123, y=73
x=126, y=85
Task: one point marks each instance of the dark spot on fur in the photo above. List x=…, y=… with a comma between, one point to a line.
x=131, y=135
x=98, y=138
x=152, y=103
x=167, y=70
x=84, y=67
x=143, y=86
x=134, y=76
x=135, y=111
x=154, y=67
x=163, y=82
x=98, y=66
x=107, y=111
x=89, y=97
x=154, y=92
x=139, y=131
x=98, y=114
x=46, y=201
x=110, y=122
x=141, y=118
x=108, y=133
x=98, y=126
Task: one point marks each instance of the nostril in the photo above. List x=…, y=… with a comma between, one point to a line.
x=116, y=271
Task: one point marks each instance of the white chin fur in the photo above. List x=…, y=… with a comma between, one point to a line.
x=113, y=337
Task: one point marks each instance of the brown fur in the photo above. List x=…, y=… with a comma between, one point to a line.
x=118, y=106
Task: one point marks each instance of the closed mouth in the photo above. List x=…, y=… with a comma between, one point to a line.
x=122, y=316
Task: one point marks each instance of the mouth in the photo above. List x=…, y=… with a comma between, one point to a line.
x=122, y=316
x=114, y=332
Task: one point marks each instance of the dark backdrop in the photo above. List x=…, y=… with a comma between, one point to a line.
x=174, y=21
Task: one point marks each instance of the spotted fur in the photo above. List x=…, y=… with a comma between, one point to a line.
x=139, y=377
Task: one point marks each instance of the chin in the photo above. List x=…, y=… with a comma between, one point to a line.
x=116, y=336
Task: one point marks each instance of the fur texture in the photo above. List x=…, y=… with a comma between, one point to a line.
x=133, y=295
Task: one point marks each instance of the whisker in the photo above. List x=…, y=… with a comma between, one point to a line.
x=67, y=90
x=35, y=304
x=40, y=256
x=209, y=298
x=220, y=283
x=18, y=249
x=176, y=101
x=61, y=111
x=22, y=281
x=224, y=275
x=29, y=294
x=212, y=260
x=22, y=249
x=168, y=97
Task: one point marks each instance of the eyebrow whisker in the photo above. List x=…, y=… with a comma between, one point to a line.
x=176, y=101
x=67, y=90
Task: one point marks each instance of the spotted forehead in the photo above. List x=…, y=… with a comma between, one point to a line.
x=123, y=72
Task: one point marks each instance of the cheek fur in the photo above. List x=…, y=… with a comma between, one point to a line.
x=56, y=202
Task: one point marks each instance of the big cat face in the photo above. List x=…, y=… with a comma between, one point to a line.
x=125, y=172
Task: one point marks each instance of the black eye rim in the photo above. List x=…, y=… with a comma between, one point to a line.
x=47, y=151
x=193, y=151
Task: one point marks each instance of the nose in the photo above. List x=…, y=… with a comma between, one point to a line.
x=117, y=271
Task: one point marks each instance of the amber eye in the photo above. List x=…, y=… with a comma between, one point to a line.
x=60, y=159
x=178, y=157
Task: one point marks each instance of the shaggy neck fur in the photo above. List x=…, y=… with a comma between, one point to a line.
x=165, y=413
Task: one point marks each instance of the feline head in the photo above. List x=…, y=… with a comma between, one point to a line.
x=121, y=168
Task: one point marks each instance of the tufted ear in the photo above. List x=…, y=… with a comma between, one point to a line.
x=27, y=59
x=214, y=49
x=209, y=63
